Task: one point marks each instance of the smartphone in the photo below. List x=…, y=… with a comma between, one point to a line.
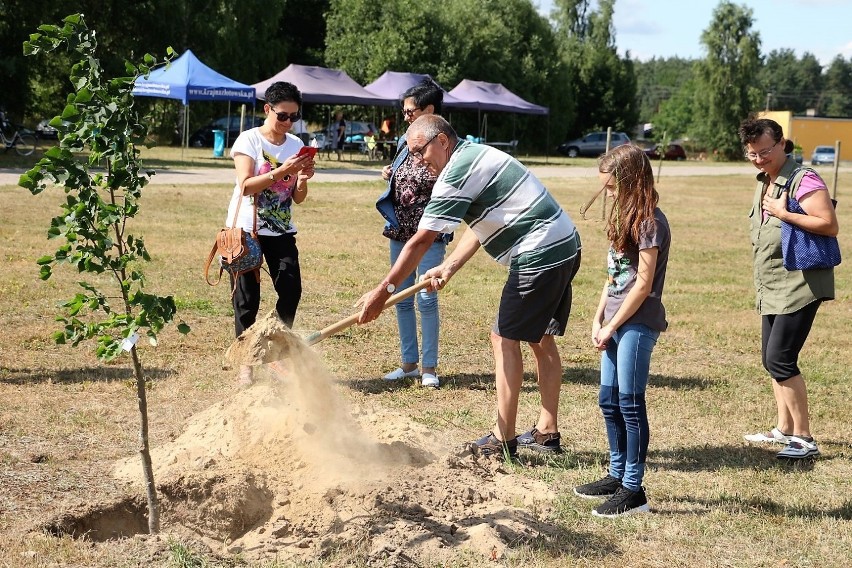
x=310, y=150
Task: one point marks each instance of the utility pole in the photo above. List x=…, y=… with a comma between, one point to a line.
x=768, y=97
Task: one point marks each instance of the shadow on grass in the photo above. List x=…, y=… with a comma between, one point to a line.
x=479, y=381
x=709, y=457
x=81, y=375
x=735, y=504
x=592, y=377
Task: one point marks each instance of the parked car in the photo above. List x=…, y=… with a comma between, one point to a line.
x=592, y=144
x=204, y=135
x=355, y=131
x=45, y=131
x=673, y=152
x=822, y=155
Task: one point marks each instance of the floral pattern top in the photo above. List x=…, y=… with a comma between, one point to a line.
x=412, y=185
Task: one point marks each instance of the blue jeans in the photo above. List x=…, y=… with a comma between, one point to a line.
x=427, y=305
x=624, y=377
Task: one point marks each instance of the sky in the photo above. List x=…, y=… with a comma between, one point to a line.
x=667, y=28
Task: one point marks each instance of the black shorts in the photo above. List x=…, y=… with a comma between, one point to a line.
x=536, y=304
x=783, y=337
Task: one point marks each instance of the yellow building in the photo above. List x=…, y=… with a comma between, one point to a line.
x=812, y=131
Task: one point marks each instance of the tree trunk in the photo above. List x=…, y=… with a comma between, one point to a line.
x=144, y=449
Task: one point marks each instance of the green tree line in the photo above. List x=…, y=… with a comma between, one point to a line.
x=567, y=61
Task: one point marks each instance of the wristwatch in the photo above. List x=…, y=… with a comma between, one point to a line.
x=389, y=287
x=272, y=177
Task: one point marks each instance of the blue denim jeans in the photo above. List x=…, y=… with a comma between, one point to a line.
x=624, y=377
x=427, y=305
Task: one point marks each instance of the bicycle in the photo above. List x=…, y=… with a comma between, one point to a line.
x=24, y=144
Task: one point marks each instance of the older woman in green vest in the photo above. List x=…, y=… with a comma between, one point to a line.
x=787, y=300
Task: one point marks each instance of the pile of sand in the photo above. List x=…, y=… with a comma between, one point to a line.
x=287, y=469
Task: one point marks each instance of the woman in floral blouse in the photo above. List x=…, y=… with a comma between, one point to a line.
x=408, y=191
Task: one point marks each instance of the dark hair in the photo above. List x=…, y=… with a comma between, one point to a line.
x=280, y=92
x=425, y=93
x=753, y=128
x=635, y=197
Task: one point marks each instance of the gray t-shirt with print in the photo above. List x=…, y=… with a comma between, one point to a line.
x=622, y=268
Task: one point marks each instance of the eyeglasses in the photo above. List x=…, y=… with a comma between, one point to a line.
x=284, y=116
x=409, y=112
x=418, y=154
x=762, y=154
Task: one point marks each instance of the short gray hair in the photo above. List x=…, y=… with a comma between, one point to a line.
x=430, y=125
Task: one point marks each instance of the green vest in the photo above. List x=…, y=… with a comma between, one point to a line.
x=781, y=291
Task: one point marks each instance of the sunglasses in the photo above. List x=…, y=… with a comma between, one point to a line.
x=285, y=116
x=409, y=112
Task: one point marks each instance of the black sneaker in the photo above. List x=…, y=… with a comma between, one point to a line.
x=489, y=445
x=624, y=502
x=538, y=442
x=600, y=489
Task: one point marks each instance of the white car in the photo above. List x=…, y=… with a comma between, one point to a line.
x=822, y=155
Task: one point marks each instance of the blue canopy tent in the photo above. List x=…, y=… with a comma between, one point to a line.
x=188, y=79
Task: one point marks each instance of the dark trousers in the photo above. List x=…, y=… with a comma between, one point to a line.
x=783, y=337
x=282, y=260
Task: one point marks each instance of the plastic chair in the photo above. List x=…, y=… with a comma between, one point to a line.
x=370, y=141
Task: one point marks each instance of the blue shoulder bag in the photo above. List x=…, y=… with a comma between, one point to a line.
x=804, y=250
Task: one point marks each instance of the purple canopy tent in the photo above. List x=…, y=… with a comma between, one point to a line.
x=495, y=97
x=320, y=85
x=391, y=85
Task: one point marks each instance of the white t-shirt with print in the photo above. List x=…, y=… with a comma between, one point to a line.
x=274, y=216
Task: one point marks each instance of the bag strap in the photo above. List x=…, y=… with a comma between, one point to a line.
x=210, y=258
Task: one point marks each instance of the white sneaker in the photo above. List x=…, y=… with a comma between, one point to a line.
x=798, y=449
x=430, y=380
x=400, y=374
x=773, y=436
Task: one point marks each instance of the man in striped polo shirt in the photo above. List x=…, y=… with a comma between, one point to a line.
x=511, y=214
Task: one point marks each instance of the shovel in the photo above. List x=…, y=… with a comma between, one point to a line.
x=269, y=340
x=318, y=336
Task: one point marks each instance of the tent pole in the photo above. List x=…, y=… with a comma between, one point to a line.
x=547, y=140
x=228, y=128
x=184, y=135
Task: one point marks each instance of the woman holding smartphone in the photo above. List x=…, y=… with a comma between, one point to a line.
x=272, y=175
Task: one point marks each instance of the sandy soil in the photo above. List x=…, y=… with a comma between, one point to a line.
x=287, y=469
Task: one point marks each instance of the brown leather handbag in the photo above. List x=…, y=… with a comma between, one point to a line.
x=239, y=251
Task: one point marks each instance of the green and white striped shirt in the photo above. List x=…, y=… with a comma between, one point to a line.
x=516, y=219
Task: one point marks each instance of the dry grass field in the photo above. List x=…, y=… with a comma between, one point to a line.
x=66, y=419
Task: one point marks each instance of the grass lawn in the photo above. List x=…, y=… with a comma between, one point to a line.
x=65, y=417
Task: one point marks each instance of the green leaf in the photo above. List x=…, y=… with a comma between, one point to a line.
x=183, y=328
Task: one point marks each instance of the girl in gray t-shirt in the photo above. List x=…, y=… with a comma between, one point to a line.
x=627, y=323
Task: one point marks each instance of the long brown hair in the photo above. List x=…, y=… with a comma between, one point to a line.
x=635, y=198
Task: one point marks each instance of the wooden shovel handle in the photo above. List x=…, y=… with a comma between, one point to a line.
x=318, y=336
